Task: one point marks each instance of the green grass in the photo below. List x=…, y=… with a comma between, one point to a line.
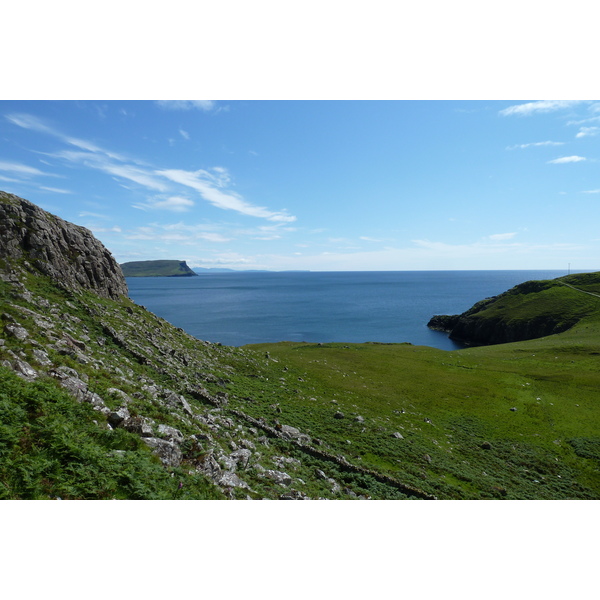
x=461, y=438
x=51, y=446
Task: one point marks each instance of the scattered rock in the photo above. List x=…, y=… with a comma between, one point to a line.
x=338, y=415
x=24, y=370
x=397, y=435
x=168, y=452
x=170, y=433
x=117, y=417
x=278, y=477
x=230, y=479
x=16, y=331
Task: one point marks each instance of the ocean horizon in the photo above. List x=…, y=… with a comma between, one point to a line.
x=243, y=307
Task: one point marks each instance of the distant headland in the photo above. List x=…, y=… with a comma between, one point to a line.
x=157, y=268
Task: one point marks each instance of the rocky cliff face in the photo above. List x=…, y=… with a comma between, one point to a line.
x=41, y=242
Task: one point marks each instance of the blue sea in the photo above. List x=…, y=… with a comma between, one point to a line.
x=239, y=308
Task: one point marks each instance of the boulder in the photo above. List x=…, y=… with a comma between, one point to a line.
x=168, y=452
x=170, y=433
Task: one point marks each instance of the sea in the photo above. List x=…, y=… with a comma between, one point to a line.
x=245, y=307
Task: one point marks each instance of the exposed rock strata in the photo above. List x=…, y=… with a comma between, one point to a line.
x=69, y=254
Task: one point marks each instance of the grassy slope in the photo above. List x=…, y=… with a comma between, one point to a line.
x=461, y=438
x=156, y=268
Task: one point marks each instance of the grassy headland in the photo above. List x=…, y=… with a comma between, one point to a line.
x=157, y=268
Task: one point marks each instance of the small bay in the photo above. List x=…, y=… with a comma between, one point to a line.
x=239, y=308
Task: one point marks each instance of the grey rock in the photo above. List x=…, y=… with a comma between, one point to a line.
x=16, y=331
x=397, y=435
x=230, y=479
x=67, y=253
x=41, y=356
x=210, y=467
x=338, y=415
x=119, y=394
x=170, y=433
x=241, y=457
x=24, y=370
x=278, y=477
x=117, y=417
x=177, y=401
x=168, y=452
x=143, y=426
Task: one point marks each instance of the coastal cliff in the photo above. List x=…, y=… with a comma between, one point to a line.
x=530, y=310
x=157, y=268
x=39, y=242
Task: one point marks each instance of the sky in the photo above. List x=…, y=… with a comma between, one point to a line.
x=319, y=185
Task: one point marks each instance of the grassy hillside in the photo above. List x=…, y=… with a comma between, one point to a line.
x=530, y=310
x=157, y=268
x=288, y=420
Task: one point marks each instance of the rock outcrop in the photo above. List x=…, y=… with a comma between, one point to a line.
x=41, y=242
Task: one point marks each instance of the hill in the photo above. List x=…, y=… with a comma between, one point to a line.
x=157, y=268
x=529, y=310
x=99, y=398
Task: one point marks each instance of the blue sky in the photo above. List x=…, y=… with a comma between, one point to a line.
x=320, y=185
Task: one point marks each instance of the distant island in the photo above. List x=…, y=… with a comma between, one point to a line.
x=157, y=268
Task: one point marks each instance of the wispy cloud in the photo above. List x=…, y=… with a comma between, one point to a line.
x=539, y=106
x=84, y=213
x=205, y=105
x=534, y=145
x=502, y=236
x=177, y=232
x=588, y=132
x=204, y=183
x=210, y=184
x=23, y=170
x=55, y=190
x=369, y=239
x=184, y=134
x=172, y=203
x=566, y=159
x=591, y=192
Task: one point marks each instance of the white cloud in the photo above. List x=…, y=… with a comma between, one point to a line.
x=591, y=192
x=92, y=214
x=566, y=159
x=369, y=239
x=55, y=190
x=588, y=132
x=188, y=235
x=502, y=236
x=205, y=105
x=184, y=134
x=31, y=122
x=534, y=144
x=540, y=106
x=173, y=204
x=22, y=169
x=204, y=182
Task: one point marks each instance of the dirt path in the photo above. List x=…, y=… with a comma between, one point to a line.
x=582, y=291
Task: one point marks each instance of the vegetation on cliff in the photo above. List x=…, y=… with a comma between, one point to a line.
x=157, y=268
x=530, y=310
